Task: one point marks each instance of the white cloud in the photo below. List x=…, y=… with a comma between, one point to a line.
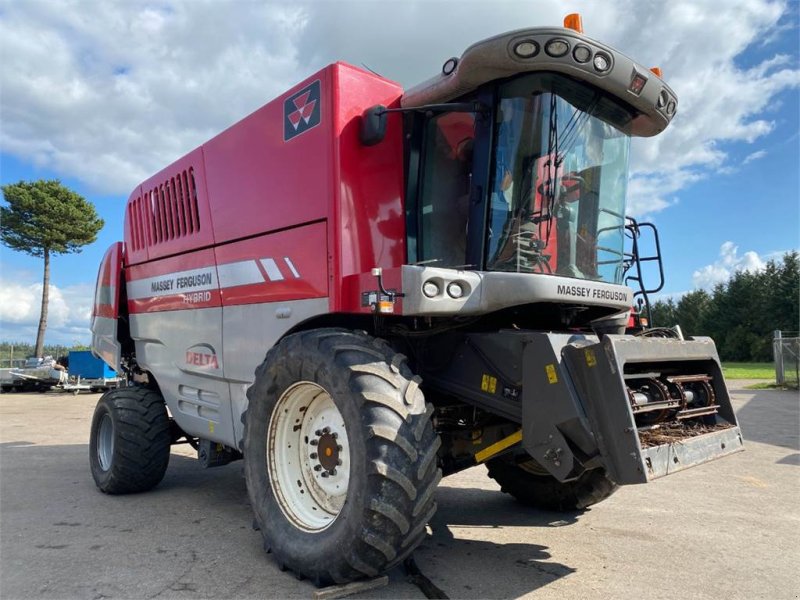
x=729, y=262
x=68, y=316
x=112, y=98
x=758, y=154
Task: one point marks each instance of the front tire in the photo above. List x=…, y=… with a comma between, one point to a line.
x=531, y=485
x=340, y=455
x=130, y=440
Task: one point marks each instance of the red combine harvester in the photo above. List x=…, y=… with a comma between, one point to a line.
x=438, y=279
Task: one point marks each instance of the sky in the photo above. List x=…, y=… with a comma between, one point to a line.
x=103, y=94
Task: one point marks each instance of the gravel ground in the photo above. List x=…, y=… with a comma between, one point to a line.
x=727, y=529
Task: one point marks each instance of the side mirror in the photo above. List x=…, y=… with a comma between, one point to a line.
x=373, y=125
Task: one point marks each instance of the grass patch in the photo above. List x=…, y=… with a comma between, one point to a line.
x=742, y=370
x=765, y=385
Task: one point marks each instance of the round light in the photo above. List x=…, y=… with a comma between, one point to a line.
x=454, y=290
x=601, y=62
x=449, y=65
x=663, y=97
x=430, y=289
x=556, y=48
x=671, y=108
x=526, y=49
x=581, y=54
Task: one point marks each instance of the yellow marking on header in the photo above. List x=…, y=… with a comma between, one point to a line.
x=498, y=447
x=591, y=359
x=550, y=369
x=489, y=384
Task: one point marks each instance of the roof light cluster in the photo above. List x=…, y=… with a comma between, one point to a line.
x=560, y=50
x=558, y=47
x=666, y=103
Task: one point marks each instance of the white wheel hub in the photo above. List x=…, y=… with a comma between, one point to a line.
x=308, y=456
x=105, y=442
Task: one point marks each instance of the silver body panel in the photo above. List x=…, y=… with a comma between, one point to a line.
x=205, y=359
x=487, y=291
x=249, y=331
x=105, y=344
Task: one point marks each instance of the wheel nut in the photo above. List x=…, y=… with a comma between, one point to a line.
x=332, y=471
x=318, y=468
x=335, y=435
x=338, y=447
x=326, y=430
x=314, y=442
x=318, y=432
x=325, y=474
x=313, y=455
x=339, y=463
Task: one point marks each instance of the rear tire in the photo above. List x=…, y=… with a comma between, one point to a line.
x=545, y=491
x=130, y=440
x=369, y=512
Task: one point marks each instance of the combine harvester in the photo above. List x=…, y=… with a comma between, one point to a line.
x=360, y=289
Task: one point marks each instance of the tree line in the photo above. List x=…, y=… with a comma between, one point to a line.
x=19, y=351
x=742, y=313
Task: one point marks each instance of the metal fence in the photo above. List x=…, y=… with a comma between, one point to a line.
x=12, y=363
x=787, y=358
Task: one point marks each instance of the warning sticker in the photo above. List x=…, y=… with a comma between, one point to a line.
x=550, y=369
x=489, y=384
x=591, y=359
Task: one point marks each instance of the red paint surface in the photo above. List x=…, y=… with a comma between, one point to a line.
x=167, y=266
x=368, y=229
x=305, y=247
x=169, y=213
x=322, y=198
x=109, y=275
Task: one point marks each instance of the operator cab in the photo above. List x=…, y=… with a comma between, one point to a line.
x=555, y=182
x=527, y=172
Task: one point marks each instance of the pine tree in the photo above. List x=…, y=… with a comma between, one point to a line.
x=44, y=218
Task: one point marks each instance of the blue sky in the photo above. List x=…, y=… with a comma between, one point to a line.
x=101, y=95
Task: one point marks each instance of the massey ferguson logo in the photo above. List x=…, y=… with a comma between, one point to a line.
x=301, y=111
x=202, y=355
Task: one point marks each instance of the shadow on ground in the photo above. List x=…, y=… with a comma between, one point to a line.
x=487, y=569
x=772, y=417
x=191, y=536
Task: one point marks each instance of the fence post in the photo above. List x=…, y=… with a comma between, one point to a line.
x=777, y=349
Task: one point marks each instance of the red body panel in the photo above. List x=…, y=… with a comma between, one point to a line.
x=147, y=294
x=106, y=296
x=260, y=183
x=169, y=213
x=290, y=264
x=318, y=198
x=369, y=229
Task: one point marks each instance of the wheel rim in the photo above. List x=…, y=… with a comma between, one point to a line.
x=105, y=442
x=308, y=456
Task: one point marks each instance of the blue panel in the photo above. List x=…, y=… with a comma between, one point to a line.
x=84, y=364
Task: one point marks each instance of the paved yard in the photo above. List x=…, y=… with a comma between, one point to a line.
x=728, y=529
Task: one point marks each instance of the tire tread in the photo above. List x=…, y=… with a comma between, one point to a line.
x=546, y=492
x=401, y=447
x=141, y=440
